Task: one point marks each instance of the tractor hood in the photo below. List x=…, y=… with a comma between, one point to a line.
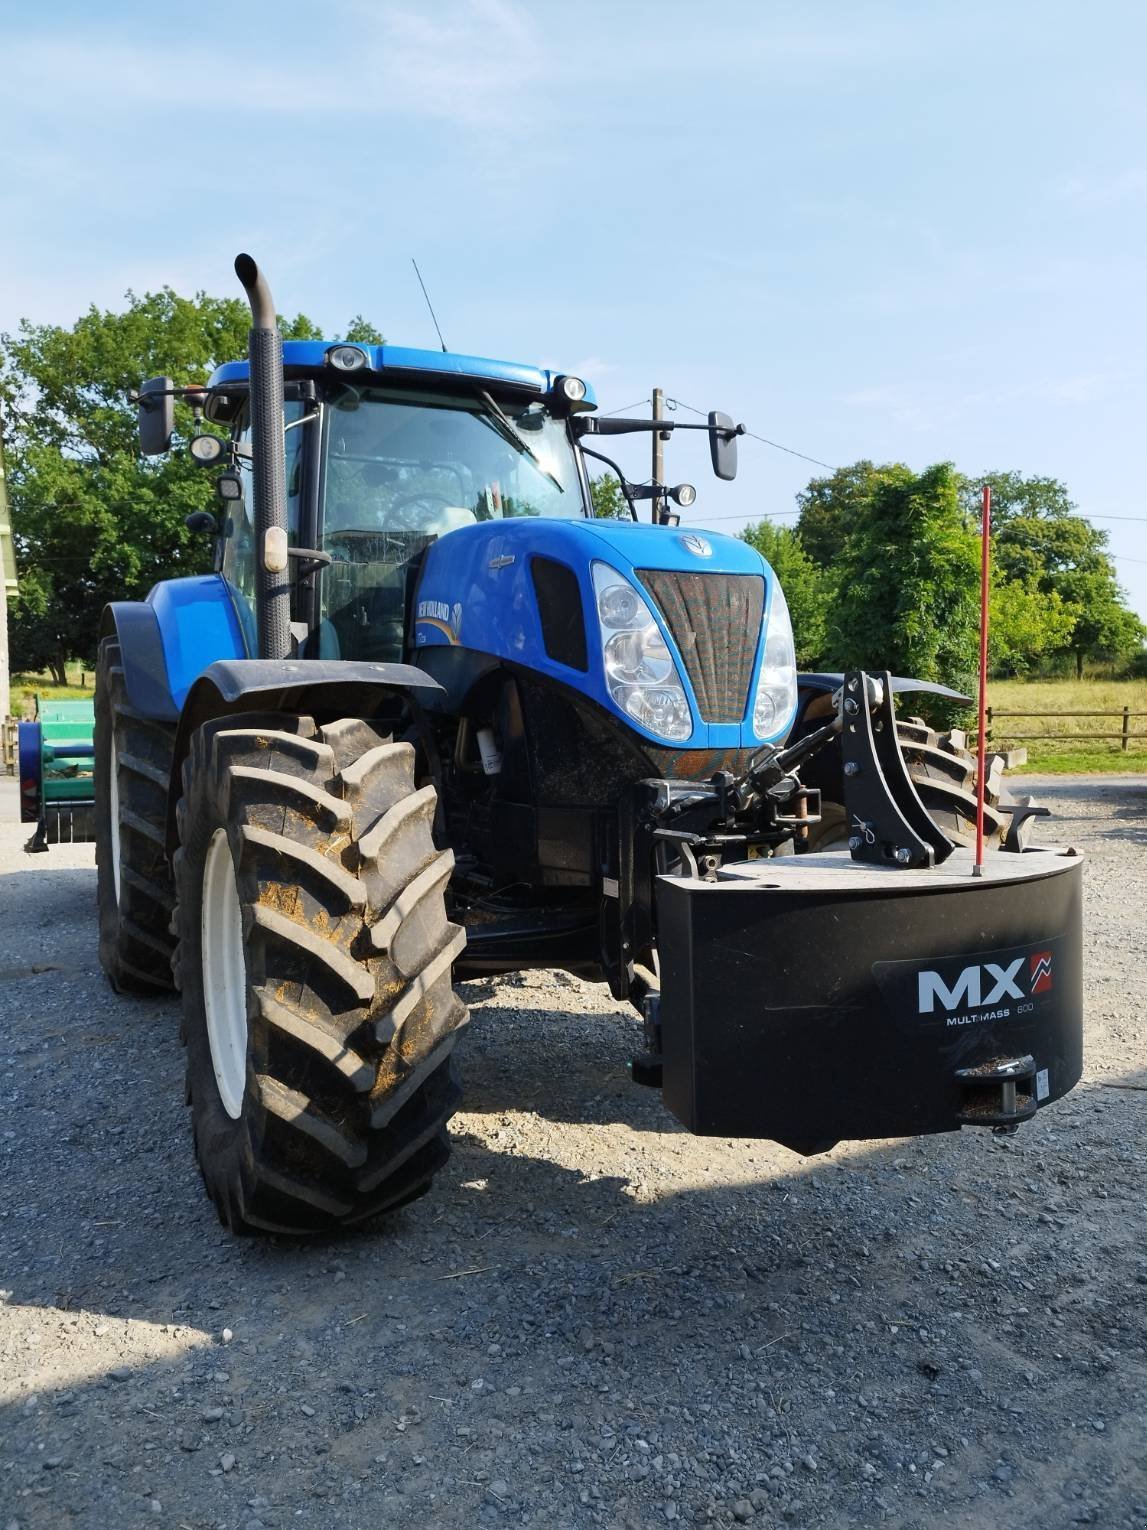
x=523, y=591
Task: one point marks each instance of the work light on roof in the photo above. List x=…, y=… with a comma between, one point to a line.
x=346, y=358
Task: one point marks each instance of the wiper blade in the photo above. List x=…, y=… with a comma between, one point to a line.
x=504, y=425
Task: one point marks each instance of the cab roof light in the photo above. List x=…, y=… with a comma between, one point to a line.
x=347, y=358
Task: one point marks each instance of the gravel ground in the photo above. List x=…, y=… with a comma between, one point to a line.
x=593, y=1318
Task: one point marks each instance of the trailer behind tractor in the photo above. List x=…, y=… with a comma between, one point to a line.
x=428, y=718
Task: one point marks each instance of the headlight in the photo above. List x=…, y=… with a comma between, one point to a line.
x=640, y=672
x=206, y=449
x=776, y=699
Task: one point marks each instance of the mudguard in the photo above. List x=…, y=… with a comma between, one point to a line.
x=828, y=682
x=169, y=639
x=328, y=687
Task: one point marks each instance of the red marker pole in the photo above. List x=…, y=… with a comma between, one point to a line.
x=981, y=749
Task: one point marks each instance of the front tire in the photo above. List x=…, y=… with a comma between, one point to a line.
x=943, y=770
x=134, y=889
x=315, y=962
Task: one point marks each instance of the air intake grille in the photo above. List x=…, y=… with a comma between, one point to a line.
x=715, y=620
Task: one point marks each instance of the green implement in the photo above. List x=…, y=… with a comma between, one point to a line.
x=56, y=787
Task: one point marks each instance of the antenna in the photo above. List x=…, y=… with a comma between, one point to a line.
x=426, y=295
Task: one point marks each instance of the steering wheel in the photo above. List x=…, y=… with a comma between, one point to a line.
x=426, y=498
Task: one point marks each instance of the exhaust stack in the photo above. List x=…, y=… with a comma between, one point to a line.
x=265, y=353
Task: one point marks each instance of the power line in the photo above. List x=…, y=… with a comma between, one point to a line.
x=743, y=516
x=804, y=456
x=624, y=407
x=679, y=402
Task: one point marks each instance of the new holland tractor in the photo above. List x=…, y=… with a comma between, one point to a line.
x=430, y=719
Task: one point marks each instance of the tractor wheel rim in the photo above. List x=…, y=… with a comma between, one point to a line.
x=113, y=815
x=224, y=974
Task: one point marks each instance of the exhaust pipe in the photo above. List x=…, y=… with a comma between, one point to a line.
x=265, y=353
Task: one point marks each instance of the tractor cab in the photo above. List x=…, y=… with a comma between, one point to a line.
x=382, y=460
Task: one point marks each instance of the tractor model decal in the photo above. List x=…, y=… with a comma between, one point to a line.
x=442, y=618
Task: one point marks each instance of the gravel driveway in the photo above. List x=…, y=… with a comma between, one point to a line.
x=593, y=1318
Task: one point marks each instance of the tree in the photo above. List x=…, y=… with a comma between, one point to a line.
x=807, y=588
x=1027, y=624
x=907, y=580
x=1041, y=541
x=361, y=331
x=92, y=521
x=830, y=506
x=609, y=503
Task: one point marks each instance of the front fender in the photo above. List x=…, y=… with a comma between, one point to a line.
x=324, y=688
x=169, y=639
x=135, y=626
x=832, y=682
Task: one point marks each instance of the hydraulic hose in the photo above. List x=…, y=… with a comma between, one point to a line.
x=265, y=353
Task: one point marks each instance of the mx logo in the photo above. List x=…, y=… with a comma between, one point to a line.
x=1040, y=967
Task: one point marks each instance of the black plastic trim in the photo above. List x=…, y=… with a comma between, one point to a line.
x=141, y=651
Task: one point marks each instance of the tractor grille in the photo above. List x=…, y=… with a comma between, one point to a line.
x=715, y=620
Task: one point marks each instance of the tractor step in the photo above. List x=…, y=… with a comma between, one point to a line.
x=814, y=998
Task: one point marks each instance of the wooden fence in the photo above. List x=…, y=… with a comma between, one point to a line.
x=1125, y=733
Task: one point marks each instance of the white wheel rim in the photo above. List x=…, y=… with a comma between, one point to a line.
x=224, y=974
x=113, y=814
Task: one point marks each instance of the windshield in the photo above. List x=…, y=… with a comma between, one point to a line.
x=402, y=471
x=430, y=464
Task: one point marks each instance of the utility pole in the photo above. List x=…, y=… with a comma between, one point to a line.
x=658, y=451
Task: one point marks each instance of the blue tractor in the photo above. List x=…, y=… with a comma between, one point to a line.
x=430, y=719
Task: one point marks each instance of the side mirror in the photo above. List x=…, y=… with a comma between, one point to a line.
x=723, y=445
x=201, y=522
x=156, y=416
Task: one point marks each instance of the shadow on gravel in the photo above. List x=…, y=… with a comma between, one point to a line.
x=564, y=1066
x=54, y=892
x=941, y=1327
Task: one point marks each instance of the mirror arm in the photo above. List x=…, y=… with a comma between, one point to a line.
x=626, y=486
x=587, y=425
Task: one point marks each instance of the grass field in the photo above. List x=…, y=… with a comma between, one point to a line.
x=25, y=687
x=1082, y=751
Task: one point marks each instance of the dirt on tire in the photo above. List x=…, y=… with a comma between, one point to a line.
x=347, y=953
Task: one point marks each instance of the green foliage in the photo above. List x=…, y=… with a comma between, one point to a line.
x=609, y=503
x=1054, y=589
x=906, y=581
x=1027, y=624
x=361, y=331
x=1040, y=540
x=831, y=507
x=93, y=521
x=807, y=587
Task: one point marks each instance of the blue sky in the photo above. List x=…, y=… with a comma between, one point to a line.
x=897, y=231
